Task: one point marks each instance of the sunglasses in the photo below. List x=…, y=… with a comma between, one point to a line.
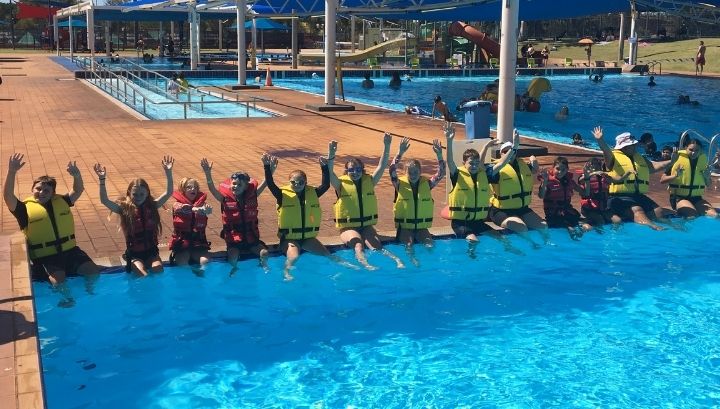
x=354, y=170
x=299, y=182
x=240, y=176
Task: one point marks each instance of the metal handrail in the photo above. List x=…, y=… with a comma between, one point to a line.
x=133, y=83
x=652, y=64
x=710, y=142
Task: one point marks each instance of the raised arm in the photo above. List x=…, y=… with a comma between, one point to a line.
x=607, y=152
x=332, y=150
x=377, y=175
x=663, y=165
x=543, y=183
x=273, y=166
x=440, y=173
x=167, y=164
x=78, y=187
x=392, y=170
x=16, y=162
x=101, y=172
x=449, y=131
x=325, y=183
x=207, y=169
x=267, y=161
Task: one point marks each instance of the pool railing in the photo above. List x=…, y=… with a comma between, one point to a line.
x=139, y=80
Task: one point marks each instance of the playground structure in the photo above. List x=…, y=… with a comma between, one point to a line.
x=489, y=48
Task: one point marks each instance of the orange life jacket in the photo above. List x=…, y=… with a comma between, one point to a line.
x=239, y=218
x=188, y=226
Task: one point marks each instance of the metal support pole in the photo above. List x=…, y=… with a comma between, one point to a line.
x=294, y=41
x=621, y=39
x=352, y=33
x=633, y=36
x=56, y=35
x=253, y=60
x=242, y=57
x=90, y=16
x=220, y=35
x=108, y=53
x=72, y=38
x=508, y=61
x=330, y=20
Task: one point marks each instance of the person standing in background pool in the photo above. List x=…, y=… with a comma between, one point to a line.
x=139, y=219
x=700, y=59
x=356, y=210
x=367, y=82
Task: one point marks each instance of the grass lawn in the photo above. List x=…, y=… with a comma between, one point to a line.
x=664, y=52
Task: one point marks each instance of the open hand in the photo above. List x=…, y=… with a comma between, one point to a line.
x=597, y=133
x=387, y=139
x=206, y=165
x=100, y=170
x=72, y=169
x=16, y=162
x=168, y=162
x=437, y=148
x=449, y=130
x=404, y=146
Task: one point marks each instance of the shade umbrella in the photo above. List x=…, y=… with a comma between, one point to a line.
x=586, y=41
x=263, y=24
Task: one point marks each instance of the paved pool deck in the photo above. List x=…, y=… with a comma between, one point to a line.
x=52, y=118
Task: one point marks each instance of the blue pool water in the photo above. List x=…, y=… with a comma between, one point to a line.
x=619, y=103
x=629, y=318
x=160, y=107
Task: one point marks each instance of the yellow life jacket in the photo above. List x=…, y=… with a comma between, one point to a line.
x=409, y=213
x=631, y=185
x=513, y=190
x=469, y=200
x=42, y=238
x=692, y=182
x=348, y=212
x=293, y=225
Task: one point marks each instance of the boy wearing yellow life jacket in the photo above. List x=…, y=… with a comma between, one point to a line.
x=511, y=189
x=299, y=213
x=47, y=222
x=628, y=199
x=687, y=179
x=356, y=210
x=413, y=205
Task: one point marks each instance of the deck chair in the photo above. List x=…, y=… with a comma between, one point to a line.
x=568, y=62
x=415, y=63
x=452, y=62
x=494, y=63
x=372, y=62
x=531, y=63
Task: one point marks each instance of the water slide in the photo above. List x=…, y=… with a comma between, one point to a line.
x=491, y=47
x=361, y=55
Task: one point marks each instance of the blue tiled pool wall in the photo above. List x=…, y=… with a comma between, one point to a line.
x=434, y=72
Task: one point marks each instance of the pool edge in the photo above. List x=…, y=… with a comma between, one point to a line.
x=21, y=343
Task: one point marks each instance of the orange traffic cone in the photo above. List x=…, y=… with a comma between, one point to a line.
x=268, y=78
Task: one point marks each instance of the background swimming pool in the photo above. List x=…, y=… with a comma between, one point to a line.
x=619, y=103
x=629, y=318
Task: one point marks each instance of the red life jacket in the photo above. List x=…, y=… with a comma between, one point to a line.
x=239, y=218
x=558, y=196
x=599, y=188
x=144, y=236
x=188, y=226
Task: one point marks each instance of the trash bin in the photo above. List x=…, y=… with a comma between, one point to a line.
x=477, y=119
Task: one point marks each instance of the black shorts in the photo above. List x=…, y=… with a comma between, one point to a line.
x=245, y=247
x=498, y=216
x=592, y=214
x=68, y=261
x=146, y=256
x=694, y=200
x=462, y=228
x=566, y=217
x=621, y=205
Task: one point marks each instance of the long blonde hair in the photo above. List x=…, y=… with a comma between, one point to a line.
x=128, y=209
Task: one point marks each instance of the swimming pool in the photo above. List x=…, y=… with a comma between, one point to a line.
x=619, y=103
x=159, y=106
x=629, y=318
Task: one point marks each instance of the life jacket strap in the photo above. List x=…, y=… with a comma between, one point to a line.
x=515, y=196
x=53, y=243
x=357, y=219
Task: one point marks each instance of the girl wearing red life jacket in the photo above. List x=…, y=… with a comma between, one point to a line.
x=139, y=219
x=188, y=242
x=556, y=190
x=595, y=185
x=239, y=208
